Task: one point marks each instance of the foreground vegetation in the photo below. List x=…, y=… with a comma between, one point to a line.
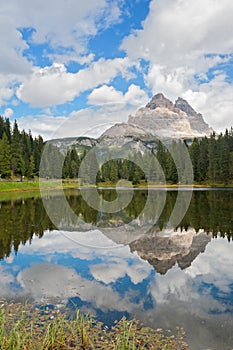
x=27, y=328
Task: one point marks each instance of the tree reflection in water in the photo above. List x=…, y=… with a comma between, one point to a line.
x=209, y=211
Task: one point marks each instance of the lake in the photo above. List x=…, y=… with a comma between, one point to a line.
x=164, y=256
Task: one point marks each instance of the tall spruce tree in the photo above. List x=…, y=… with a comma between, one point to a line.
x=5, y=157
x=17, y=151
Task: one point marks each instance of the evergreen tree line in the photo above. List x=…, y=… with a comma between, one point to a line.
x=212, y=158
x=20, y=153
x=212, y=162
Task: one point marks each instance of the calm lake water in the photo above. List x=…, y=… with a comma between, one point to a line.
x=136, y=261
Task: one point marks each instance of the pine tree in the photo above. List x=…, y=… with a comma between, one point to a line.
x=7, y=129
x=224, y=159
x=37, y=153
x=51, y=162
x=194, y=152
x=172, y=175
x=203, y=160
x=125, y=169
x=31, y=168
x=113, y=171
x=212, y=168
x=5, y=157
x=1, y=126
x=161, y=155
x=17, y=151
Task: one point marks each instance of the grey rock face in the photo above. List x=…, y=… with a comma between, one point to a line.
x=123, y=129
x=159, y=119
x=162, y=122
x=163, y=119
x=159, y=101
x=86, y=141
x=196, y=119
x=63, y=144
x=184, y=106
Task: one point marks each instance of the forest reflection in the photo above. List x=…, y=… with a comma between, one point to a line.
x=21, y=219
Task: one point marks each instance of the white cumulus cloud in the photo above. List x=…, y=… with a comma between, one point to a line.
x=66, y=24
x=178, y=30
x=108, y=95
x=65, y=29
x=182, y=40
x=54, y=85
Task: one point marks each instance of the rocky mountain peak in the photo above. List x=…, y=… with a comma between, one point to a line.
x=184, y=106
x=196, y=119
x=162, y=119
x=159, y=119
x=160, y=101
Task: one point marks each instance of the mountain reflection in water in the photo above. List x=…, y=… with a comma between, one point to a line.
x=210, y=212
x=133, y=262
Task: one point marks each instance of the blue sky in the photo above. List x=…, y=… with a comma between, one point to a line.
x=70, y=66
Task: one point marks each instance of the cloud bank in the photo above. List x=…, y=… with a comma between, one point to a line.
x=95, y=56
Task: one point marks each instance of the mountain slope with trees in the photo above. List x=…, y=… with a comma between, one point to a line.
x=20, y=156
x=212, y=160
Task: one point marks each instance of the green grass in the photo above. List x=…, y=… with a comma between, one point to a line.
x=13, y=186
x=6, y=186
x=28, y=328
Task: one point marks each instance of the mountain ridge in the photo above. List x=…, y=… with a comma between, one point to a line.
x=159, y=119
x=163, y=119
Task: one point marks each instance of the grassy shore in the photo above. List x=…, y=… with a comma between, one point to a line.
x=30, y=328
x=14, y=186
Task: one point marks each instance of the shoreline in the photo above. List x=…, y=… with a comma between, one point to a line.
x=30, y=186
x=36, y=186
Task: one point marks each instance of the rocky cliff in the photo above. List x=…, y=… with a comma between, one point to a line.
x=162, y=119
x=196, y=119
x=159, y=119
